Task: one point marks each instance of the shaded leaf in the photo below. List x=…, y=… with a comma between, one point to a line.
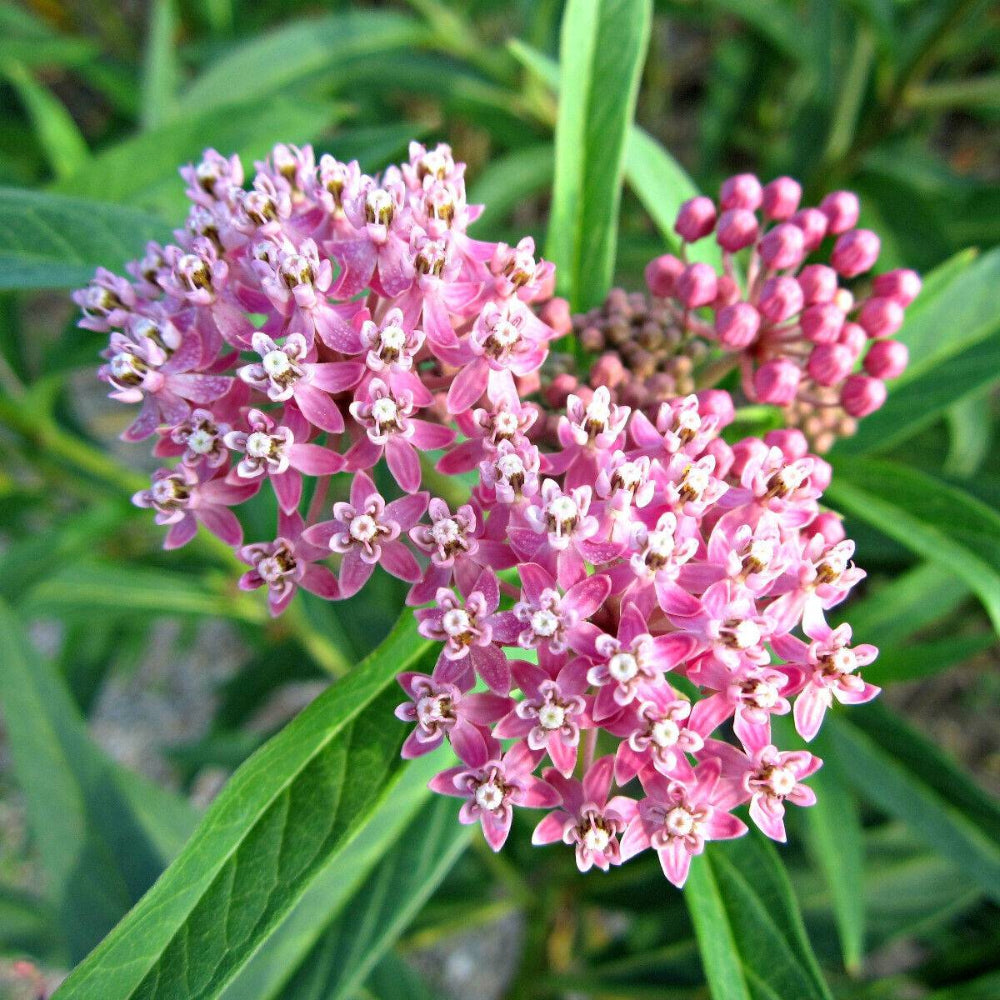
x=160, y=70
x=508, y=181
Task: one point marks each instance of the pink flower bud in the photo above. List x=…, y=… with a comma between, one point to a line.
x=813, y=224
x=862, y=395
x=719, y=404
x=722, y=454
x=818, y=283
x=881, y=317
x=777, y=381
x=822, y=323
x=737, y=228
x=841, y=209
x=557, y=391
x=827, y=524
x=695, y=219
x=608, y=370
x=855, y=252
x=555, y=313
x=783, y=246
x=728, y=292
x=854, y=338
x=901, y=285
x=822, y=473
x=830, y=363
x=781, y=198
x=791, y=442
x=741, y=191
x=744, y=451
x=736, y=326
x=780, y=299
x=887, y=359
x=696, y=285
x=661, y=274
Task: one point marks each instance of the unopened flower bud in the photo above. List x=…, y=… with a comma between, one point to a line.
x=736, y=326
x=854, y=338
x=822, y=323
x=841, y=209
x=855, y=252
x=791, y=442
x=781, y=198
x=741, y=191
x=827, y=524
x=555, y=313
x=558, y=390
x=777, y=381
x=780, y=299
x=727, y=293
x=887, y=359
x=862, y=395
x=821, y=474
x=902, y=285
x=737, y=228
x=830, y=363
x=783, y=246
x=818, y=283
x=719, y=404
x=608, y=370
x=746, y=450
x=813, y=224
x=722, y=454
x=696, y=285
x=696, y=219
x=661, y=274
x=881, y=317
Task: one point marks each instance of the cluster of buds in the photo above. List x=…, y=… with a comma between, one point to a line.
x=620, y=578
x=808, y=333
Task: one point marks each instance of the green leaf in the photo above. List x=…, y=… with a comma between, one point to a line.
x=395, y=979
x=662, y=185
x=160, y=71
x=911, y=779
x=508, y=181
x=602, y=49
x=970, y=432
x=28, y=926
x=287, y=813
x=282, y=58
x=99, y=850
x=937, y=521
x=142, y=171
x=387, y=902
x=953, y=334
x=925, y=659
x=266, y=975
x=57, y=133
x=48, y=241
x=982, y=988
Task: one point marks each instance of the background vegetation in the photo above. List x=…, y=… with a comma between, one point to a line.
x=133, y=682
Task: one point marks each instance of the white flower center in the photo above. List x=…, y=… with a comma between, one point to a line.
x=563, y=509
x=696, y=479
x=384, y=411
x=661, y=544
x=782, y=780
x=259, y=444
x=489, y=796
x=276, y=363
x=430, y=709
x=679, y=822
x=363, y=528
x=844, y=660
x=544, y=623
x=761, y=551
x=445, y=531
x=394, y=338
x=505, y=424
x=456, y=622
x=765, y=695
x=200, y=441
x=270, y=569
x=599, y=410
x=623, y=667
x=746, y=634
x=551, y=716
x=505, y=334
x=510, y=466
x=666, y=732
x=596, y=839
x=379, y=207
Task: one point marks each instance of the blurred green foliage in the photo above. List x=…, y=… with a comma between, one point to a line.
x=898, y=880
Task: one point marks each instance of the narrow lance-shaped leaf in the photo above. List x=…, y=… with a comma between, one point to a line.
x=602, y=49
x=287, y=813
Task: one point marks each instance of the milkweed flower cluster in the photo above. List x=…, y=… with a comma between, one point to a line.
x=806, y=332
x=620, y=578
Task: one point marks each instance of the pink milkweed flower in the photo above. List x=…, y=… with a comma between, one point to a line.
x=437, y=163
x=390, y=428
x=771, y=482
x=588, y=431
x=262, y=213
x=555, y=624
x=768, y=778
x=828, y=670
x=559, y=529
x=457, y=550
x=728, y=626
x=678, y=817
x=332, y=182
x=679, y=426
x=378, y=253
x=391, y=350
x=631, y=659
x=552, y=712
x=442, y=707
x=107, y=302
x=281, y=453
x=510, y=474
x=152, y=365
x=469, y=630
x=284, y=373
x=214, y=179
x=655, y=729
x=690, y=487
x=287, y=563
x=201, y=435
x=656, y=557
x=367, y=531
x=507, y=420
x=586, y=817
x=182, y=500
x=516, y=272
x=500, y=345
x=492, y=784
